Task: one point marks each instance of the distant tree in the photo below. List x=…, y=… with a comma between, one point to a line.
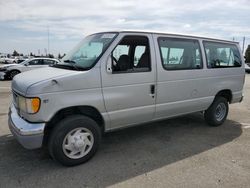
x=15, y=53
x=31, y=54
x=50, y=55
x=247, y=54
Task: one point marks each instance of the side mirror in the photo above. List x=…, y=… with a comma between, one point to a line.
x=26, y=64
x=109, y=65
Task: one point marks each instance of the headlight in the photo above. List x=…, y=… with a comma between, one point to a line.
x=30, y=105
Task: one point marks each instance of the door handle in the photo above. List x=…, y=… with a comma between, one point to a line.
x=152, y=90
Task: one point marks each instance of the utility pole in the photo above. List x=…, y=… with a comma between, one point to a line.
x=48, y=41
x=243, y=45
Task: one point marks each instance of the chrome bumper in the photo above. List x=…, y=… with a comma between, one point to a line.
x=29, y=135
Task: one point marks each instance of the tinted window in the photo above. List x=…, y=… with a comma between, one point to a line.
x=131, y=55
x=48, y=62
x=36, y=62
x=179, y=54
x=220, y=55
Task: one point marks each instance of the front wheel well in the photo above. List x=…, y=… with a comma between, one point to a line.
x=88, y=111
x=15, y=70
x=226, y=93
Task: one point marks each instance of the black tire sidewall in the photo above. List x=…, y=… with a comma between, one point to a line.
x=10, y=74
x=210, y=112
x=62, y=129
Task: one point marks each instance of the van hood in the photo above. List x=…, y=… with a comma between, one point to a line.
x=23, y=81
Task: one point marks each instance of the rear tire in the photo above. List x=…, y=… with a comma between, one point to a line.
x=74, y=140
x=216, y=114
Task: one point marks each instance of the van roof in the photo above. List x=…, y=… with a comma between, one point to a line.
x=172, y=34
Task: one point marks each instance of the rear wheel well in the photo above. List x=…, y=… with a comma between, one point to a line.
x=88, y=111
x=227, y=94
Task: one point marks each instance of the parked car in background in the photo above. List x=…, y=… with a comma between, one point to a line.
x=2, y=58
x=22, y=59
x=11, y=70
x=247, y=68
x=11, y=60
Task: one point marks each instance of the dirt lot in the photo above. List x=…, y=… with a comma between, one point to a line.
x=181, y=152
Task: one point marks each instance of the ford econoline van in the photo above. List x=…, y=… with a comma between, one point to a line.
x=113, y=80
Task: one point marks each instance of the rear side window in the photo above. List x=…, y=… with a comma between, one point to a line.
x=48, y=62
x=221, y=55
x=180, y=54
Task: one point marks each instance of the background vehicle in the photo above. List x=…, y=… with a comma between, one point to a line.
x=11, y=60
x=114, y=80
x=247, y=68
x=2, y=58
x=11, y=70
x=20, y=59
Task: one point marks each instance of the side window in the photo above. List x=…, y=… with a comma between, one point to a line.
x=180, y=54
x=35, y=62
x=120, y=50
x=139, y=50
x=48, y=62
x=131, y=55
x=221, y=55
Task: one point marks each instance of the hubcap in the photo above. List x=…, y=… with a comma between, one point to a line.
x=220, y=111
x=78, y=143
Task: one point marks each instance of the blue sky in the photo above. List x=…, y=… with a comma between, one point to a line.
x=24, y=24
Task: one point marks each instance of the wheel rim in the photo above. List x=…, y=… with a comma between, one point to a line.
x=220, y=111
x=78, y=143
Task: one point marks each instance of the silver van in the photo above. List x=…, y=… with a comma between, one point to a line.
x=113, y=80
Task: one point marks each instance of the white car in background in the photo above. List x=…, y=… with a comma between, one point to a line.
x=11, y=70
x=11, y=60
x=2, y=58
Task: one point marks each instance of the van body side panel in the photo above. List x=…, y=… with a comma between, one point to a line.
x=186, y=91
x=79, y=89
x=127, y=95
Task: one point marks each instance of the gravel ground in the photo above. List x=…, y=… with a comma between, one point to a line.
x=180, y=152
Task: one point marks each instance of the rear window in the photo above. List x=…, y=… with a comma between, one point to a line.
x=221, y=55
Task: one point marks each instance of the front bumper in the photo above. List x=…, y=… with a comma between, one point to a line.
x=29, y=135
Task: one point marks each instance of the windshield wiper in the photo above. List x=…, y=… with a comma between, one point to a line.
x=69, y=64
x=73, y=63
x=69, y=61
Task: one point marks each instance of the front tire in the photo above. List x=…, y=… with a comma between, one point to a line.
x=216, y=114
x=13, y=73
x=74, y=140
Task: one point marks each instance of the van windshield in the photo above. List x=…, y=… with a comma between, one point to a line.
x=85, y=55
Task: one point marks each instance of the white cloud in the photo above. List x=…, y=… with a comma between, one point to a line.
x=72, y=19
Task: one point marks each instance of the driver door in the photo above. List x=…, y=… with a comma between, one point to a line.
x=129, y=89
